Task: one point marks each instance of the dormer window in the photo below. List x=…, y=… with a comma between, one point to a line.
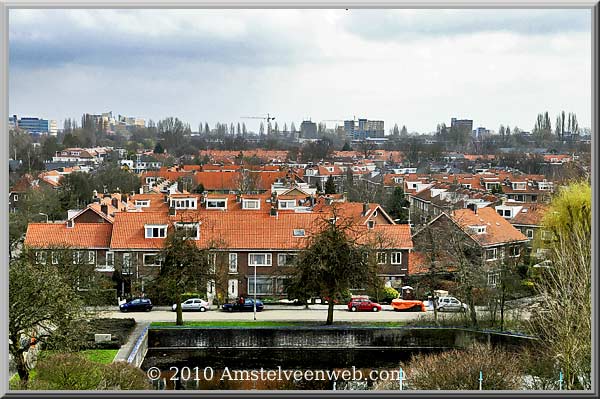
x=286, y=204
x=192, y=229
x=155, y=230
x=184, y=203
x=477, y=229
x=216, y=203
x=250, y=204
x=505, y=213
x=142, y=203
x=519, y=185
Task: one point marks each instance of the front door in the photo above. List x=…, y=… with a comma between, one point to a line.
x=232, y=290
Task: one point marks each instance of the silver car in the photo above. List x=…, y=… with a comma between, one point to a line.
x=193, y=304
x=451, y=304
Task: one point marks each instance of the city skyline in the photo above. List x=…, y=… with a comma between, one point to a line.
x=400, y=66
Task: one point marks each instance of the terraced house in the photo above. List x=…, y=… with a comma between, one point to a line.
x=245, y=235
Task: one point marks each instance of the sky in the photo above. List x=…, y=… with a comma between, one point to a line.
x=411, y=67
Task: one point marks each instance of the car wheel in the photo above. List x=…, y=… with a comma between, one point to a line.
x=202, y=309
x=124, y=310
x=375, y=309
x=353, y=309
x=230, y=310
x=148, y=309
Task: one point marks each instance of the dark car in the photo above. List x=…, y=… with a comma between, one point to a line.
x=363, y=304
x=247, y=305
x=136, y=305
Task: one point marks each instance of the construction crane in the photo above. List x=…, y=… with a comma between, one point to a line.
x=267, y=118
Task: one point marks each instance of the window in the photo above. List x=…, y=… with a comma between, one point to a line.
x=233, y=264
x=286, y=204
x=192, y=229
x=505, y=213
x=15, y=198
x=519, y=186
x=478, y=229
x=54, y=257
x=184, y=203
x=210, y=287
x=493, y=279
x=264, y=285
x=530, y=234
x=259, y=259
x=110, y=259
x=151, y=260
x=286, y=259
x=381, y=258
x=212, y=263
x=396, y=258
x=126, y=263
x=491, y=254
x=546, y=235
x=216, y=204
x=250, y=204
x=298, y=233
x=515, y=251
x=142, y=203
x=40, y=257
x=156, y=231
x=77, y=257
x=91, y=257
x=371, y=224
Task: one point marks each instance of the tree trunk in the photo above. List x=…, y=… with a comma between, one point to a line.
x=502, y=302
x=22, y=369
x=330, y=312
x=470, y=302
x=179, y=320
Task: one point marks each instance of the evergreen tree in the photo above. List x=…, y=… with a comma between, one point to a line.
x=404, y=132
x=330, y=185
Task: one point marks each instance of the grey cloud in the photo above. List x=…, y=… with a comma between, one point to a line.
x=405, y=24
x=58, y=42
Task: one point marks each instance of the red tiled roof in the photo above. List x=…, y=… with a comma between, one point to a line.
x=81, y=235
x=498, y=229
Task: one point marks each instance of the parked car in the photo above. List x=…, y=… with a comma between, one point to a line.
x=247, y=305
x=363, y=304
x=451, y=304
x=193, y=304
x=136, y=305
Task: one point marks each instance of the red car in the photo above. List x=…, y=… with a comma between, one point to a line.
x=363, y=304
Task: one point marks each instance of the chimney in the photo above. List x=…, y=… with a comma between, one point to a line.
x=115, y=203
x=365, y=208
x=124, y=198
x=238, y=198
x=95, y=193
x=166, y=199
x=273, y=211
x=472, y=207
x=172, y=211
x=104, y=209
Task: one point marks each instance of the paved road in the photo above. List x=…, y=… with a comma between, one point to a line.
x=275, y=313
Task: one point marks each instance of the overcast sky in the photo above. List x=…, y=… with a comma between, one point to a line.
x=412, y=67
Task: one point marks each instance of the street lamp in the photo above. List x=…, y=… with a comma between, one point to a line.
x=41, y=213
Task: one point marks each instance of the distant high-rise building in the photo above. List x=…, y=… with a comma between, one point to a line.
x=308, y=130
x=363, y=128
x=480, y=132
x=12, y=122
x=36, y=125
x=466, y=124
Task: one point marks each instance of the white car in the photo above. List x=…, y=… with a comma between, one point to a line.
x=194, y=304
x=451, y=304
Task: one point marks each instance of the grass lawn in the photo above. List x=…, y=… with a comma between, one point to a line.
x=103, y=356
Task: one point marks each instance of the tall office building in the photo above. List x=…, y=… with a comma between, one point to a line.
x=308, y=130
x=466, y=124
x=37, y=125
x=363, y=128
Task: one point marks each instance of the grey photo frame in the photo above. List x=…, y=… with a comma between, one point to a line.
x=6, y=6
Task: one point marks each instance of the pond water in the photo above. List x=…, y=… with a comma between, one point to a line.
x=282, y=369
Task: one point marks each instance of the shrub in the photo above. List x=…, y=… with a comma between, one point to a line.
x=459, y=370
x=73, y=371
x=389, y=293
x=67, y=371
x=124, y=376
